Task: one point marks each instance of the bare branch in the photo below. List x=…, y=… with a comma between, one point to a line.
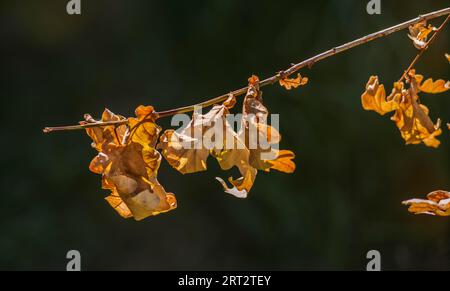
x=291, y=70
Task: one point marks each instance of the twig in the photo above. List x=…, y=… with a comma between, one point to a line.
x=283, y=74
x=84, y=126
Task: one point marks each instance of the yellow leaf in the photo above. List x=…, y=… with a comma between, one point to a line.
x=293, y=83
x=411, y=117
x=374, y=98
x=437, y=203
x=283, y=162
x=435, y=87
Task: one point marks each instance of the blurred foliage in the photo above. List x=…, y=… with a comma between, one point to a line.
x=353, y=167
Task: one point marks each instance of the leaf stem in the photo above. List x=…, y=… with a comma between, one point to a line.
x=289, y=71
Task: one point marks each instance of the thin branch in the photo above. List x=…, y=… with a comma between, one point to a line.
x=283, y=74
x=84, y=126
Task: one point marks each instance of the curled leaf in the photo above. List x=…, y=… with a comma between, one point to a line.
x=128, y=163
x=436, y=204
x=290, y=83
x=211, y=134
x=434, y=87
x=419, y=32
x=411, y=117
x=374, y=98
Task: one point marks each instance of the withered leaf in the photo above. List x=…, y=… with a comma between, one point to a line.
x=128, y=163
x=374, y=98
x=436, y=204
x=419, y=32
x=411, y=117
x=434, y=87
x=290, y=83
x=263, y=154
x=211, y=134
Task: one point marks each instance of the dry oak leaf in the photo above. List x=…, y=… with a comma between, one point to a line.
x=437, y=204
x=419, y=32
x=260, y=139
x=411, y=117
x=434, y=87
x=290, y=83
x=211, y=134
x=263, y=154
x=129, y=163
x=374, y=98
x=429, y=86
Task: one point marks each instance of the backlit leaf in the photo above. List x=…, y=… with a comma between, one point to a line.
x=419, y=32
x=290, y=83
x=374, y=98
x=434, y=87
x=436, y=204
x=211, y=134
x=128, y=163
x=411, y=117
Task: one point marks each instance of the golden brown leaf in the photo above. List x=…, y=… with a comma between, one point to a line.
x=437, y=203
x=411, y=117
x=263, y=155
x=374, y=98
x=290, y=83
x=128, y=163
x=187, y=151
x=434, y=87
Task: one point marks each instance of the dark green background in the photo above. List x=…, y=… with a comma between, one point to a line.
x=353, y=167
